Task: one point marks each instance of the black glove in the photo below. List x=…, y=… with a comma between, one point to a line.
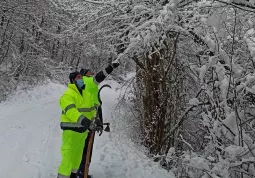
x=92, y=126
x=115, y=64
x=100, y=127
x=96, y=126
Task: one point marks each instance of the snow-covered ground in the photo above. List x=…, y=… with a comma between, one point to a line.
x=30, y=139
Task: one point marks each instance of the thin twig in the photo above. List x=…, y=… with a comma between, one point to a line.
x=237, y=6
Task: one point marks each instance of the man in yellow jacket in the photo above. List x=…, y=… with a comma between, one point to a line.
x=79, y=106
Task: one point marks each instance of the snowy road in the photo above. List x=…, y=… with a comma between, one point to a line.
x=30, y=139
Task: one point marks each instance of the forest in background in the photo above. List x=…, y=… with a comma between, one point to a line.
x=192, y=98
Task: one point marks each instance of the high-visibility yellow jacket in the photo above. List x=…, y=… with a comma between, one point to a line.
x=77, y=107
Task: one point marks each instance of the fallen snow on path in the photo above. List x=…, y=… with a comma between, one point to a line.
x=30, y=139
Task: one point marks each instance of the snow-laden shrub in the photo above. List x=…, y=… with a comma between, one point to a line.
x=214, y=135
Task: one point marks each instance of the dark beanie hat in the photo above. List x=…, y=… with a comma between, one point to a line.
x=73, y=75
x=83, y=72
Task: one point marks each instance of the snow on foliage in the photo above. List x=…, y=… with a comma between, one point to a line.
x=202, y=72
x=193, y=101
x=211, y=42
x=225, y=74
x=250, y=40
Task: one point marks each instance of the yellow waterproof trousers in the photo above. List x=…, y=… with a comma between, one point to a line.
x=71, y=150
